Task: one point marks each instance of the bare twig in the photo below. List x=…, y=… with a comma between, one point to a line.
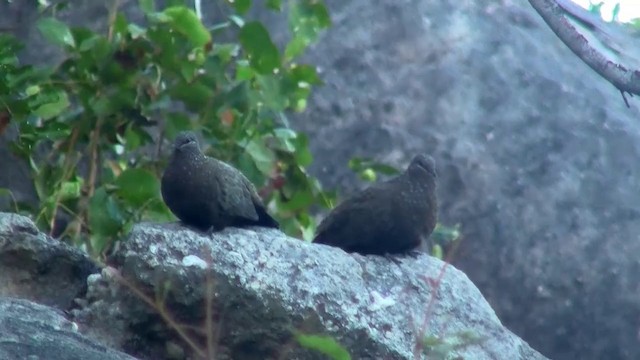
x=622, y=74
x=163, y=312
x=435, y=287
x=68, y=168
x=113, y=13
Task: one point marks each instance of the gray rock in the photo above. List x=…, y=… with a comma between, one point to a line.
x=389, y=217
x=537, y=157
x=38, y=268
x=37, y=332
x=266, y=284
x=536, y=153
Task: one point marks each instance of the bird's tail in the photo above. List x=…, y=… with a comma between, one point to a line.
x=264, y=219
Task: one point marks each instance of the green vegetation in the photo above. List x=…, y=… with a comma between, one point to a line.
x=325, y=345
x=444, y=347
x=95, y=128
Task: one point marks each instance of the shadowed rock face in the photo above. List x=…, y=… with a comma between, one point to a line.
x=33, y=331
x=389, y=217
x=204, y=192
x=537, y=155
x=266, y=284
x=263, y=284
x=35, y=267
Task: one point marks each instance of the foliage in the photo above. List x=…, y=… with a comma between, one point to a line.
x=324, y=344
x=368, y=169
x=444, y=236
x=596, y=8
x=443, y=348
x=94, y=128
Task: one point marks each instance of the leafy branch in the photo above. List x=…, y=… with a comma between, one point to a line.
x=92, y=128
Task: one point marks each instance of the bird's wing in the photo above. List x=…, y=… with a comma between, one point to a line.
x=350, y=222
x=235, y=199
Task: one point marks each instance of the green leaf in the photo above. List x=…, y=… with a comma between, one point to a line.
x=615, y=12
x=274, y=4
x=596, y=8
x=105, y=217
x=70, y=190
x=186, y=22
x=9, y=48
x=176, y=122
x=261, y=155
x=286, y=139
x=226, y=52
x=437, y=251
x=302, y=153
x=195, y=96
x=359, y=164
x=242, y=6
x=88, y=43
x=296, y=47
x=48, y=110
x=320, y=13
x=271, y=93
x=158, y=211
x=244, y=71
x=137, y=186
x=305, y=74
x=306, y=20
x=120, y=25
x=446, y=234
x=132, y=140
x=56, y=32
x=147, y=6
x=4, y=192
x=368, y=174
x=324, y=344
x=32, y=90
x=263, y=54
x=136, y=31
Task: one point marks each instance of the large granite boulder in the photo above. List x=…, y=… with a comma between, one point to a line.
x=536, y=153
x=259, y=288
x=537, y=157
x=266, y=286
x=33, y=266
x=38, y=332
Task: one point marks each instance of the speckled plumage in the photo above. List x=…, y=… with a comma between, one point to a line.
x=204, y=192
x=391, y=217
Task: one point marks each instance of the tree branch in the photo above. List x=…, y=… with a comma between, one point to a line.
x=622, y=72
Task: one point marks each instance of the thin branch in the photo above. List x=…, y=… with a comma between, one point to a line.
x=198, y=8
x=625, y=77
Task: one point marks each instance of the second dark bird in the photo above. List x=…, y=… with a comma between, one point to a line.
x=204, y=192
x=390, y=217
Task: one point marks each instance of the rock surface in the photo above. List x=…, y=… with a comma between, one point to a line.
x=38, y=268
x=266, y=284
x=536, y=154
x=537, y=157
x=37, y=332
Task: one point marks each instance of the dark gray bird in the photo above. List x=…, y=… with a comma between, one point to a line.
x=204, y=192
x=391, y=217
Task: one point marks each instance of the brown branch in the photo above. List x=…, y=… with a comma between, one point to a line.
x=162, y=310
x=66, y=175
x=625, y=77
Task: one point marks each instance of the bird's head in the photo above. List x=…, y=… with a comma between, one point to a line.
x=422, y=166
x=186, y=142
